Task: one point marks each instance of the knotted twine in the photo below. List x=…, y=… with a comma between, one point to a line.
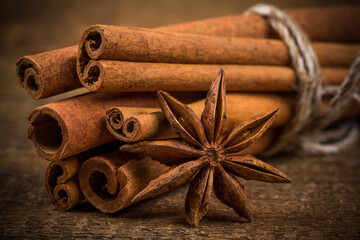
x=305, y=131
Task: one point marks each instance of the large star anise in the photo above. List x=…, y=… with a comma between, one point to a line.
x=207, y=155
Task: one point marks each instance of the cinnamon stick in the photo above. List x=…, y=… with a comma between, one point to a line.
x=71, y=126
x=62, y=184
x=49, y=73
x=126, y=124
x=150, y=123
x=146, y=124
x=332, y=23
x=61, y=178
x=139, y=127
x=116, y=116
x=117, y=76
x=111, y=180
x=145, y=45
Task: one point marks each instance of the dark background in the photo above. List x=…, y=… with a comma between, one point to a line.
x=29, y=27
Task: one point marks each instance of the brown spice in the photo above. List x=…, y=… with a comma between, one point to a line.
x=118, y=76
x=49, y=73
x=137, y=124
x=331, y=23
x=74, y=125
x=146, y=124
x=145, y=45
x=207, y=155
x=62, y=184
x=61, y=177
x=110, y=181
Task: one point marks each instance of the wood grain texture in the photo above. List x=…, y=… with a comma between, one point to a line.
x=321, y=203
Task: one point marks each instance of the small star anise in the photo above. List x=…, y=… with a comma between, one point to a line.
x=207, y=155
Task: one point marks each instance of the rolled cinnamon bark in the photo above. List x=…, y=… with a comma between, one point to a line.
x=110, y=181
x=62, y=185
x=71, y=126
x=145, y=45
x=153, y=125
x=118, y=76
x=48, y=73
x=333, y=23
x=53, y=72
x=117, y=116
x=61, y=178
x=144, y=126
x=125, y=123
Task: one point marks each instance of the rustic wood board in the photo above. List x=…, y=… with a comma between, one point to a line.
x=322, y=203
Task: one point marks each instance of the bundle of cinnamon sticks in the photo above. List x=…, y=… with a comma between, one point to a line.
x=124, y=67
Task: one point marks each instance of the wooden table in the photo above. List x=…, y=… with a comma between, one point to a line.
x=323, y=202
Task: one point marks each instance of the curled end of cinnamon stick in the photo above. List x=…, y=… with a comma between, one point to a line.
x=29, y=74
x=128, y=130
x=110, y=181
x=104, y=183
x=67, y=195
x=147, y=126
x=136, y=124
x=132, y=128
x=91, y=46
x=114, y=119
x=92, y=77
x=62, y=184
x=94, y=39
x=48, y=133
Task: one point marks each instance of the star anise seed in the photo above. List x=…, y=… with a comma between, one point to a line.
x=207, y=155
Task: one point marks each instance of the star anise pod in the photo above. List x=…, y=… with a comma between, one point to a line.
x=207, y=155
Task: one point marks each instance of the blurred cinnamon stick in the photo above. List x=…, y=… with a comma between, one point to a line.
x=74, y=125
x=119, y=76
x=137, y=124
x=331, y=24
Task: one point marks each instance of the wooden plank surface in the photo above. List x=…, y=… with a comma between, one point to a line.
x=323, y=202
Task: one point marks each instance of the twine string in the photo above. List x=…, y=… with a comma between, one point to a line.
x=305, y=130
